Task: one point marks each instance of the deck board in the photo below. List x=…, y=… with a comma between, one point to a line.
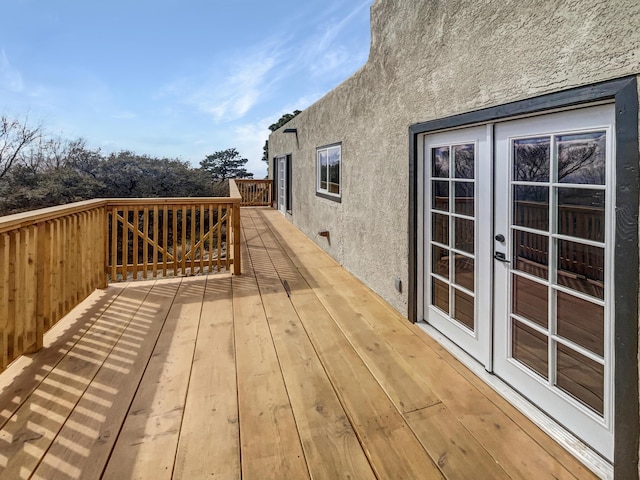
x=239, y=377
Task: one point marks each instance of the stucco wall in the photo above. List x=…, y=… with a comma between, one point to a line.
x=430, y=60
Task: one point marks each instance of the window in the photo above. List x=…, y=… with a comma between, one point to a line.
x=329, y=161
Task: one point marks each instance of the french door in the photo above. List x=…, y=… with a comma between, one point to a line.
x=282, y=184
x=539, y=310
x=457, y=215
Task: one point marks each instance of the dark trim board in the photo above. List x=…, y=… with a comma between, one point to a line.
x=625, y=94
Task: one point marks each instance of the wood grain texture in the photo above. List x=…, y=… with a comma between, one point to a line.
x=330, y=443
x=271, y=447
x=148, y=440
x=26, y=437
x=209, y=445
x=82, y=447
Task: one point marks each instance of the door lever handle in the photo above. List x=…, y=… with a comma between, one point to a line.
x=501, y=257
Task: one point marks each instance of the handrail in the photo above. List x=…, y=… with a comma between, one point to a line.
x=53, y=258
x=255, y=193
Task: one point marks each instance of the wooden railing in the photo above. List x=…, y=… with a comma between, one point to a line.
x=173, y=236
x=52, y=259
x=255, y=193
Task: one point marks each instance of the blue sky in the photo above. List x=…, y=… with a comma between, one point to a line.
x=175, y=78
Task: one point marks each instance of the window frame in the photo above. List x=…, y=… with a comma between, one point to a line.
x=324, y=192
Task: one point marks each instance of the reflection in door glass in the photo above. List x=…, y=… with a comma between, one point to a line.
x=452, y=206
x=463, y=308
x=464, y=272
x=531, y=300
x=531, y=159
x=464, y=157
x=581, y=321
x=440, y=228
x=581, y=268
x=581, y=377
x=581, y=213
x=581, y=158
x=530, y=348
x=440, y=162
x=531, y=207
x=440, y=261
x=464, y=199
x=464, y=235
x=531, y=253
x=440, y=195
x=440, y=294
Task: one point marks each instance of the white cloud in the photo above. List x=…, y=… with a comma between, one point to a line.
x=232, y=94
x=10, y=78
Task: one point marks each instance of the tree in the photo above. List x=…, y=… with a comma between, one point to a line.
x=225, y=164
x=15, y=138
x=275, y=126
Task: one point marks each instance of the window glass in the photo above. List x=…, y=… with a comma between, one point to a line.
x=322, y=165
x=329, y=159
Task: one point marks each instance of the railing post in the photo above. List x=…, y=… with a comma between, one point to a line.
x=237, y=265
x=103, y=255
x=43, y=289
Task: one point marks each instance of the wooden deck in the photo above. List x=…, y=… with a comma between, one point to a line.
x=231, y=377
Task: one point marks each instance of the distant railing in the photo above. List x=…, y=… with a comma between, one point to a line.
x=153, y=238
x=255, y=193
x=52, y=259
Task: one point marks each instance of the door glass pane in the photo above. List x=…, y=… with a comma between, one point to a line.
x=440, y=261
x=464, y=272
x=581, y=267
x=440, y=195
x=581, y=322
x=464, y=201
x=440, y=228
x=464, y=237
x=464, y=157
x=440, y=162
x=531, y=207
x=581, y=158
x=530, y=300
x=530, y=348
x=581, y=377
x=463, y=308
x=440, y=294
x=531, y=253
x=531, y=159
x=581, y=213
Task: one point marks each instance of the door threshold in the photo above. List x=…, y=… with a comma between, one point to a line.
x=592, y=460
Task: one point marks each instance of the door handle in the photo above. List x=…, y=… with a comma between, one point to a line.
x=501, y=257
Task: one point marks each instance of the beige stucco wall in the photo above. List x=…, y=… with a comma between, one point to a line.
x=428, y=60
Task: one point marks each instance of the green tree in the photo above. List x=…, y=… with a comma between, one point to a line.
x=273, y=127
x=225, y=164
